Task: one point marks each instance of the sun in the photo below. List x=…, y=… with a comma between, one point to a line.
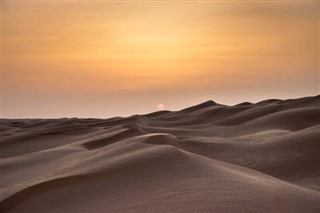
x=161, y=107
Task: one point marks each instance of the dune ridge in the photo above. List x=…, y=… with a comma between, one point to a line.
x=250, y=157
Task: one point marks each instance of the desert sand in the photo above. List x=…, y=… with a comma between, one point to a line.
x=261, y=157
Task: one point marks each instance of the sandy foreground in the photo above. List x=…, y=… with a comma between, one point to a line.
x=262, y=157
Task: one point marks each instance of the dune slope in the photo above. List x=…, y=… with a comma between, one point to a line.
x=262, y=157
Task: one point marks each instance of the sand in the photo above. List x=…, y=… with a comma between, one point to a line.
x=262, y=157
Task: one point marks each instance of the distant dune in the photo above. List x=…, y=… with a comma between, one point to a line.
x=262, y=157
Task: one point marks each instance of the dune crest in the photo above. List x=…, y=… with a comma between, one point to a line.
x=251, y=157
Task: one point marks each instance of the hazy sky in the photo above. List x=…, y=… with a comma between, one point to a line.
x=104, y=59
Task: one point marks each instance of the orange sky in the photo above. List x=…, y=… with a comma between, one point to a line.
x=103, y=59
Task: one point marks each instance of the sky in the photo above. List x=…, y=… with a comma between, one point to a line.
x=109, y=58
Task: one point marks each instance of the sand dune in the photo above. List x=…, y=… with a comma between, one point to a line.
x=262, y=157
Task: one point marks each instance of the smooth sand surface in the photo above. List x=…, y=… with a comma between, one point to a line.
x=262, y=157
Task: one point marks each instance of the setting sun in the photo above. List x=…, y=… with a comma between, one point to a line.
x=161, y=107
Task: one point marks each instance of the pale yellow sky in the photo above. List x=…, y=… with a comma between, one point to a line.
x=103, y=59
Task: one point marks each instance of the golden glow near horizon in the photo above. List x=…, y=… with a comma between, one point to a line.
x=90, y=50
